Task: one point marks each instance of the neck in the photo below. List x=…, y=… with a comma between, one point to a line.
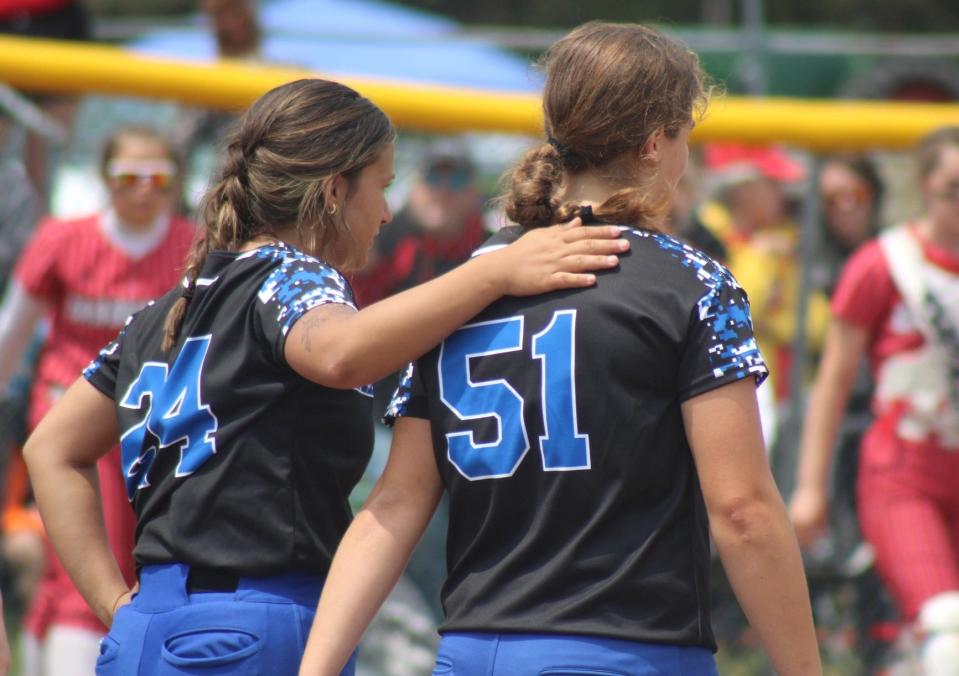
x=135, y=228
x=587, y=188
x=286, y=235
x=942, y=236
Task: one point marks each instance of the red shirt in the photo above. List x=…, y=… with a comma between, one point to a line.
x=92, y=286
x=866, y=296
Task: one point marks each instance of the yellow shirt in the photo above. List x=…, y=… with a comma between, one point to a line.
x=766, y=265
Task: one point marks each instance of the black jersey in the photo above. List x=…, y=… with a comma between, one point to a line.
x=574, y=501
x=231, y=459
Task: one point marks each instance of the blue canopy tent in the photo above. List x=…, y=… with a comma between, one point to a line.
x=340, y=38
x=364, y=38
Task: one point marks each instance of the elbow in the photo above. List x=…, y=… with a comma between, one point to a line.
x=745, y=520
x=32, y=453
x=346, y=374
x=339, y=371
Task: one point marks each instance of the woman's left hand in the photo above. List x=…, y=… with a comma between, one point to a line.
x=558, y=257
x=124, y=599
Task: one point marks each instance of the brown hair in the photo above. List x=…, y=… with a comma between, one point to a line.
x=112, y=145
x=609, y=87
x=280, y=164
x=931, y=146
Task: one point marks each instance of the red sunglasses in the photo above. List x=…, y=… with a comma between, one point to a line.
x=129, y=175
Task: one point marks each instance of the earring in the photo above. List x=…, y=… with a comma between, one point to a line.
x=332, y=210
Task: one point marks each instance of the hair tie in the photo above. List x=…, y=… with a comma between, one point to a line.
x=559, y=147
x=188, y=291
x=587, y=216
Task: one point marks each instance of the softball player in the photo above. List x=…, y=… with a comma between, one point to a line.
x=898, y=301
x=87, y=275
x=238, y=397
x=588, y=439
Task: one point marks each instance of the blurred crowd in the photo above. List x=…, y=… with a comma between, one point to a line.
x=812, y=239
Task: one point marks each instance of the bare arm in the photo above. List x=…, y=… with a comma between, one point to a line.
x=61, y=455
x=842, y=353
x=19, y=315
x=749, y=525
x=336, y=347
x=375, y=549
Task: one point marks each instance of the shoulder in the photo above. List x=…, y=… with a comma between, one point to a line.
x=499, y=239
x=865, y=289
x=69, y=227
x=293, y=274
x=677, y=262
x=869, y=260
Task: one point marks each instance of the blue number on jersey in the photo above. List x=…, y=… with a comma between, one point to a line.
x=491, y=398
x=563, y=447
x=175, y=414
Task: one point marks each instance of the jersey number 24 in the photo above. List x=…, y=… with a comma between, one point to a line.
x=175, y=415
x=562, y=447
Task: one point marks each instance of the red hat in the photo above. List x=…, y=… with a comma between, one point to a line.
x=769, y=161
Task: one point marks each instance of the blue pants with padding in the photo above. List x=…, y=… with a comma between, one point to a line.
x=483, y=654
x=261, y=628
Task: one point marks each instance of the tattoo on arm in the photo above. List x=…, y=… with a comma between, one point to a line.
x=319, y=316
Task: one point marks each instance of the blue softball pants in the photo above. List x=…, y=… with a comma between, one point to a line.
x=260, y=628
x=484, y=654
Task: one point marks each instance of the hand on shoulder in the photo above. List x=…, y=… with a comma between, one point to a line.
x=558, y=257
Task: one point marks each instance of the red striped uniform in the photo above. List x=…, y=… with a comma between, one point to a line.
x=908, y=484
x=91, y=285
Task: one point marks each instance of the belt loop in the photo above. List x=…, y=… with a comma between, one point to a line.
x=163, y=587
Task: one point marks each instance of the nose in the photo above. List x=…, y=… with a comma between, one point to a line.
x=387, y=215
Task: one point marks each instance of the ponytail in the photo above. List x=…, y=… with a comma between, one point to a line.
x=530, y=198
x=280, y=160
x=174, y=317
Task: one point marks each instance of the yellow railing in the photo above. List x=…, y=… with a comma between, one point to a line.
x=60, y=67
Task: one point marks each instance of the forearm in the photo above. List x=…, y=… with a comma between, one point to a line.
x=19, y=315
x=824, y=413
x=761, y=559
x=61, y=456
x=369, y=561
x=391, y=333
x=69, y=502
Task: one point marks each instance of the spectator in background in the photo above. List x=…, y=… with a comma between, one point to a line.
x=748, y=226
x=897, y=300
x=437, y=230
x=236, y=28
x=87, y=276
x=19, y=208
x=19, y=211
x=851, y=191
x=18, y=215
x=51, y=19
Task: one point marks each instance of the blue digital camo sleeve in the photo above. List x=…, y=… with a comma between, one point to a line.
x=720, y=347
x=409, y=399
x=299, y=284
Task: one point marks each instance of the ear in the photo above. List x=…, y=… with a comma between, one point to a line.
x=335, y=191
x=653, y=147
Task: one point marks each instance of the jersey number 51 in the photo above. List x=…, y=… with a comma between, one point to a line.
x=562, y=447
